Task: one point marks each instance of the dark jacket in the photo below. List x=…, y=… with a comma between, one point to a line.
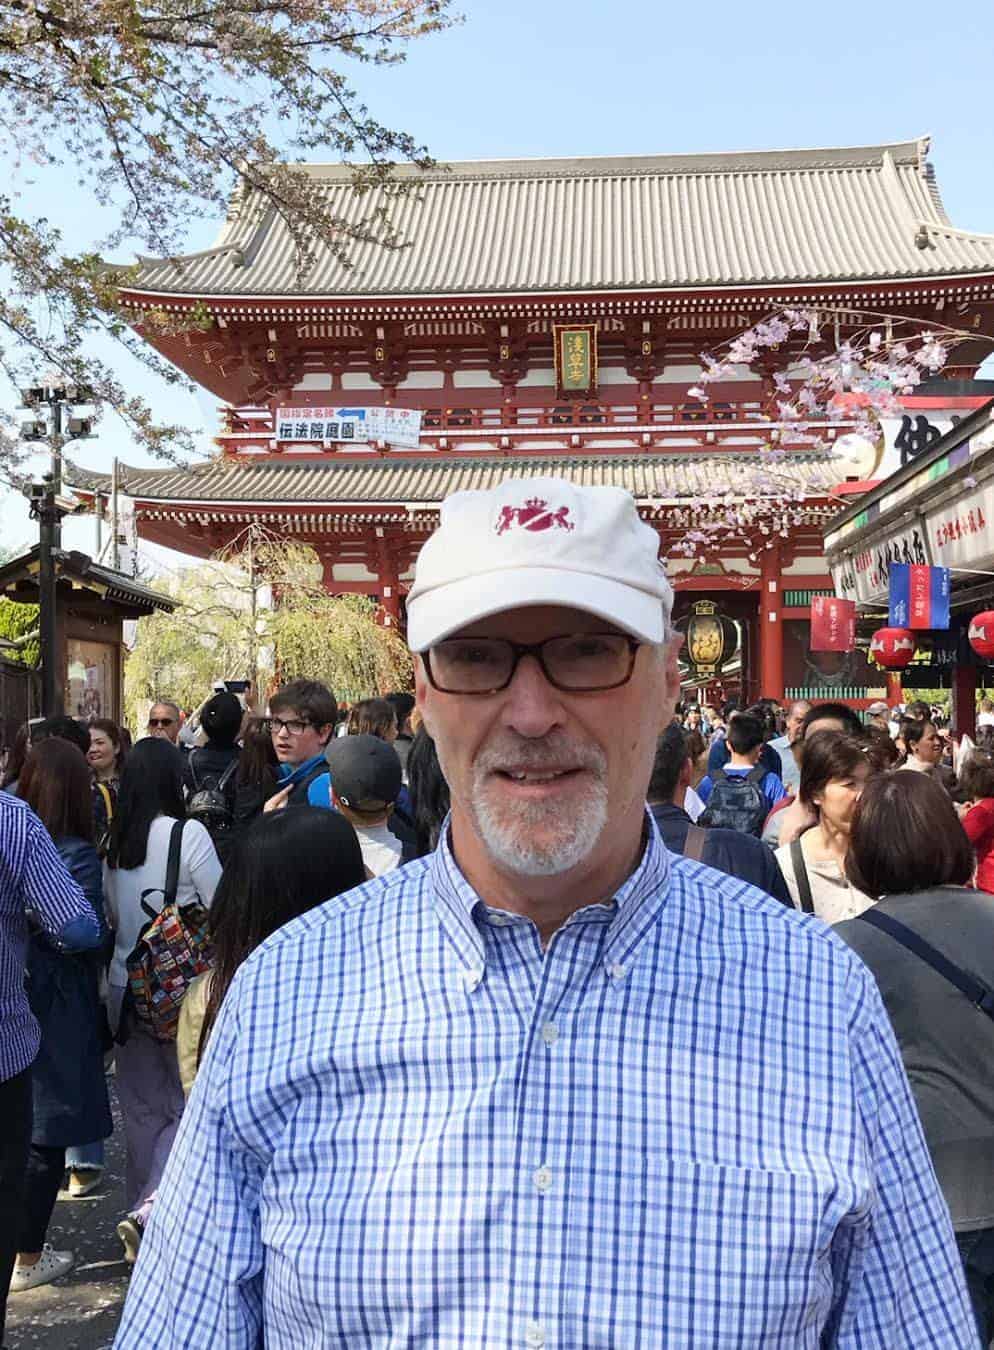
x=740, y=855
x=209, y=761
x=69, y=1088
x=947, y=1044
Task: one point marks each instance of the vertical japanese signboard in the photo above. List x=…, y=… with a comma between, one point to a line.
x=576, y=359
x=833, y=624
x=918, y=596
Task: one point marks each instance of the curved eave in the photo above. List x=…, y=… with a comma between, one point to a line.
x=779, y=291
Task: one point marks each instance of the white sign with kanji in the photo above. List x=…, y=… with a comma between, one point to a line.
x=396, y=426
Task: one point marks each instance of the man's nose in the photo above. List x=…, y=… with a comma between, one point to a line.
x=532, y=706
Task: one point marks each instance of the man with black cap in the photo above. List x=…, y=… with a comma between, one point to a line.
x=365, y=782
x=549, y=1086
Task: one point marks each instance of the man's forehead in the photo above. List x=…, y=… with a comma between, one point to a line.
x=533, y=622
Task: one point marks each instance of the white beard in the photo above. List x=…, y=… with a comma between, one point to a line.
x=541, y=839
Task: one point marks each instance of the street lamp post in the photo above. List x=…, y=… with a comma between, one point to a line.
x=48, y=506
x=47, y=510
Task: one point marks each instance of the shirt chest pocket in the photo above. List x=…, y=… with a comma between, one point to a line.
x=735, y=1256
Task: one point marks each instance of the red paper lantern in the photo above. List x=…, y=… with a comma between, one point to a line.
x=981, y=634
x=894, y=648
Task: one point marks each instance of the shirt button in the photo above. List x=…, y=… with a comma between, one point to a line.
x=471, y=979
x=550, y=1033
x=499, y=920
x=534, y=1335
x=543, y=1178
x=616, y=971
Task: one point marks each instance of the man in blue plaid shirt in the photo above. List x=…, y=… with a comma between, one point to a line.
x=551, y=1086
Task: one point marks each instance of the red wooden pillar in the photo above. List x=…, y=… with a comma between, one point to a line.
x=964, y=700
x=389, y=596
x=770, y=625
x=895, y=694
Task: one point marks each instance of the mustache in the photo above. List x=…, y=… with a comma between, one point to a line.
x=557, y=751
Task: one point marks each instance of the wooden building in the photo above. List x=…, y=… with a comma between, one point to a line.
x=548, y=316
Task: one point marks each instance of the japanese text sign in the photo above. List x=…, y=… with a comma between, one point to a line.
x=919, y=596
x=833, y=624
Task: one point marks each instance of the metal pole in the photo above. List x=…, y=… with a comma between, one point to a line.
x=51, y=685
x=55, y=403
x=115, y=557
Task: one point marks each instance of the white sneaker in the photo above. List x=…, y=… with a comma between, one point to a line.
x=50, y=1266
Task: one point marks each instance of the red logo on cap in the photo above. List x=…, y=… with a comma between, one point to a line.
x=535, y=515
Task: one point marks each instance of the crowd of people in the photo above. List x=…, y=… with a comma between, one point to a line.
x=138, y=879
x=218, y=795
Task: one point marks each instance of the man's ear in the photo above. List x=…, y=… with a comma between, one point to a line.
x=422, y=691
x=670, y=670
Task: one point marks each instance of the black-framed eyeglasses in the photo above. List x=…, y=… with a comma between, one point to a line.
x=577, y=663
x=161, y=721
x=295, y=726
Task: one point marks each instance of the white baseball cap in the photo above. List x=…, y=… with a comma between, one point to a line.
x=539, y=541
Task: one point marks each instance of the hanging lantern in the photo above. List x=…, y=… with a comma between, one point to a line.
x=894, y=648
x=981, y=634
x=712, y=639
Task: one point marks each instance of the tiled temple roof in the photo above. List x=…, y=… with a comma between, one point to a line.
x=636, y=223
x=423, y=481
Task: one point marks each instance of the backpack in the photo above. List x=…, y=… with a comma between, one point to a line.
x=209, y=802
x=737, y=802
x=172, y=949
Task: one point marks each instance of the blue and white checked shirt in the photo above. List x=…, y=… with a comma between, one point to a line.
x=684, y=1124
x=32, y=877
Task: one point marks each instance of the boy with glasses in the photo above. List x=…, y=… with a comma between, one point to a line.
x=301, y=720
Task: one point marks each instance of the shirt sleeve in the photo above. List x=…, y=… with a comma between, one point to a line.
x=55, y=899
x=200, y=856
x=774, y=790
x=896, y=1270
x=199, y=1276
x=704, y=788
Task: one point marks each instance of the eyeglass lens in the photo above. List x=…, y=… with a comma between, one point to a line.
x=292, y=728
x=161, y=721
x=586, y=661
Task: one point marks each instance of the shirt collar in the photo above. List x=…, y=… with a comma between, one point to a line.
x=630, y=913
x=288, y=770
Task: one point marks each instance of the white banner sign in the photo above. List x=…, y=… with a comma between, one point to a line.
x=396, y=426
x=961, y=533
x=863, y=576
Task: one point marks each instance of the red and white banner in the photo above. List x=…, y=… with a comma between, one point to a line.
x=833, y=624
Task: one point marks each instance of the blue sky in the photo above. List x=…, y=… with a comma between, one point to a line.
x=586, y=77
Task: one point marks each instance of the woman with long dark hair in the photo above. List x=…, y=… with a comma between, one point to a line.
x=286, y=864
x=15, y=759
x=908, y=848
x=428, y=790
x=68, y=1086
x=149, y=804
x=258, y=771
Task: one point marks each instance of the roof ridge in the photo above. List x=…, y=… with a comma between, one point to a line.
x=720, y=161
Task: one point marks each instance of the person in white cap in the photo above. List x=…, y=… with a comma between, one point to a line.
x=552, y=1085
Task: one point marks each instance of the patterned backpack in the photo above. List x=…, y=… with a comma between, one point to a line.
x=172, y=949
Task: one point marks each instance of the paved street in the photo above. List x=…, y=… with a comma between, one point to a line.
x=80, y=1312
